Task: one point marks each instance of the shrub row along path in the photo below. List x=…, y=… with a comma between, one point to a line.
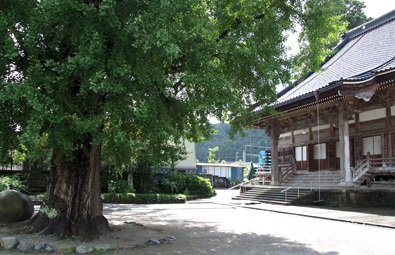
x=216, y=226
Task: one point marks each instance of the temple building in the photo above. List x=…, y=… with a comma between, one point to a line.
x=342, y=118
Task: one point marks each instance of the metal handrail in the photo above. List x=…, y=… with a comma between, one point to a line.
x=240, y=184
x=297, y=185
x=243, y=183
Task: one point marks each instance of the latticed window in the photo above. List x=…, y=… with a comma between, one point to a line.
x=376, y=125
x=324, y=133
x=302, y=138
x=286, y=141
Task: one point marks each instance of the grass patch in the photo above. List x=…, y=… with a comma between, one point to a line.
x=155, y=229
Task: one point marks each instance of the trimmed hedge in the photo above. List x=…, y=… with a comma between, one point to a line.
x=133, y=198
x=188, y=184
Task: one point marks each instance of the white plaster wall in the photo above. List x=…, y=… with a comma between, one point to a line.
x=371, y=144
x=372, y=115
x=285, y=134
x=301, y=131
x=377, y=145
x=321, y=127
x=337, y=149
x=221, y=171
x=298, y=153
x=392, y=110
x=190, y=161
x=301, y=153
x=320, y=151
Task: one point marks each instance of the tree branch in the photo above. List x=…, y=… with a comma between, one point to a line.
x=235, y=25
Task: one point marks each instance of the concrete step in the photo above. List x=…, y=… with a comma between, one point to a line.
x=265, y=201
x=290, y=192
x=324, y=178
x=272, y=195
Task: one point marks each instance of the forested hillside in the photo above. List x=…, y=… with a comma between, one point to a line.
x=228, y=148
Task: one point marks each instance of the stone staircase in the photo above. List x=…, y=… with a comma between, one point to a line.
x=362, y=179
x=325, y=178
x=272, y=195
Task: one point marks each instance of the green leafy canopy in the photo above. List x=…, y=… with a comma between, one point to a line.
x=121, y=73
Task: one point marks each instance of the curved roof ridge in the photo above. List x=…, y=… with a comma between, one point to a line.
x=370, y=25
x=298, y=85
x=390, y=64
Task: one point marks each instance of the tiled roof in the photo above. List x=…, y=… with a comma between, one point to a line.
x=367, y=50
x=369, y=74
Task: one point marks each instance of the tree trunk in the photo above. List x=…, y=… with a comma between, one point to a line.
x=73, y=205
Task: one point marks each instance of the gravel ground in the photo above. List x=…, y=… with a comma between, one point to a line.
x=216, y=226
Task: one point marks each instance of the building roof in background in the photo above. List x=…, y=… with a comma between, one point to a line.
x=219, y=165
x=365, y=52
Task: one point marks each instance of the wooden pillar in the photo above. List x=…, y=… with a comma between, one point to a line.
x=388, y=115
x=344, y=137
x=275, y=172
x=332, y=127
x=389, y=127
x=292, y=137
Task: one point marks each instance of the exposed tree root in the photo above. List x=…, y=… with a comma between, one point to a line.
x=62, y=228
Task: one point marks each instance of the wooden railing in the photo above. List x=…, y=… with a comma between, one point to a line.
x=360, y=169
x=286, y=171
x=373, y=165
x=378, y=164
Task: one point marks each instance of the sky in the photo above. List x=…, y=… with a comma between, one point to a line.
x=374, y=9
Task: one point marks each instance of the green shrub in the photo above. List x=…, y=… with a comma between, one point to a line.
x=12, y=182
x=236, y=181
x=188, y=184
x=133, y=198
x=122, y=186
x=119, y=184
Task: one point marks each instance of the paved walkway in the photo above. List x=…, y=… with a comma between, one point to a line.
x=383, y=217
x=375, y=216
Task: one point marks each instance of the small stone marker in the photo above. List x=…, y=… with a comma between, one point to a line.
x=43, y=247
x=66, y=249
x=83, y=249
x=25, y=246
x=9, y=242
x=153, y=241
x=103, y=247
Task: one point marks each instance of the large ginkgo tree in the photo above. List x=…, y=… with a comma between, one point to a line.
x=82, y=76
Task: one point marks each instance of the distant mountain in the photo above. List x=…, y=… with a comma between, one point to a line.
x=228, y=148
